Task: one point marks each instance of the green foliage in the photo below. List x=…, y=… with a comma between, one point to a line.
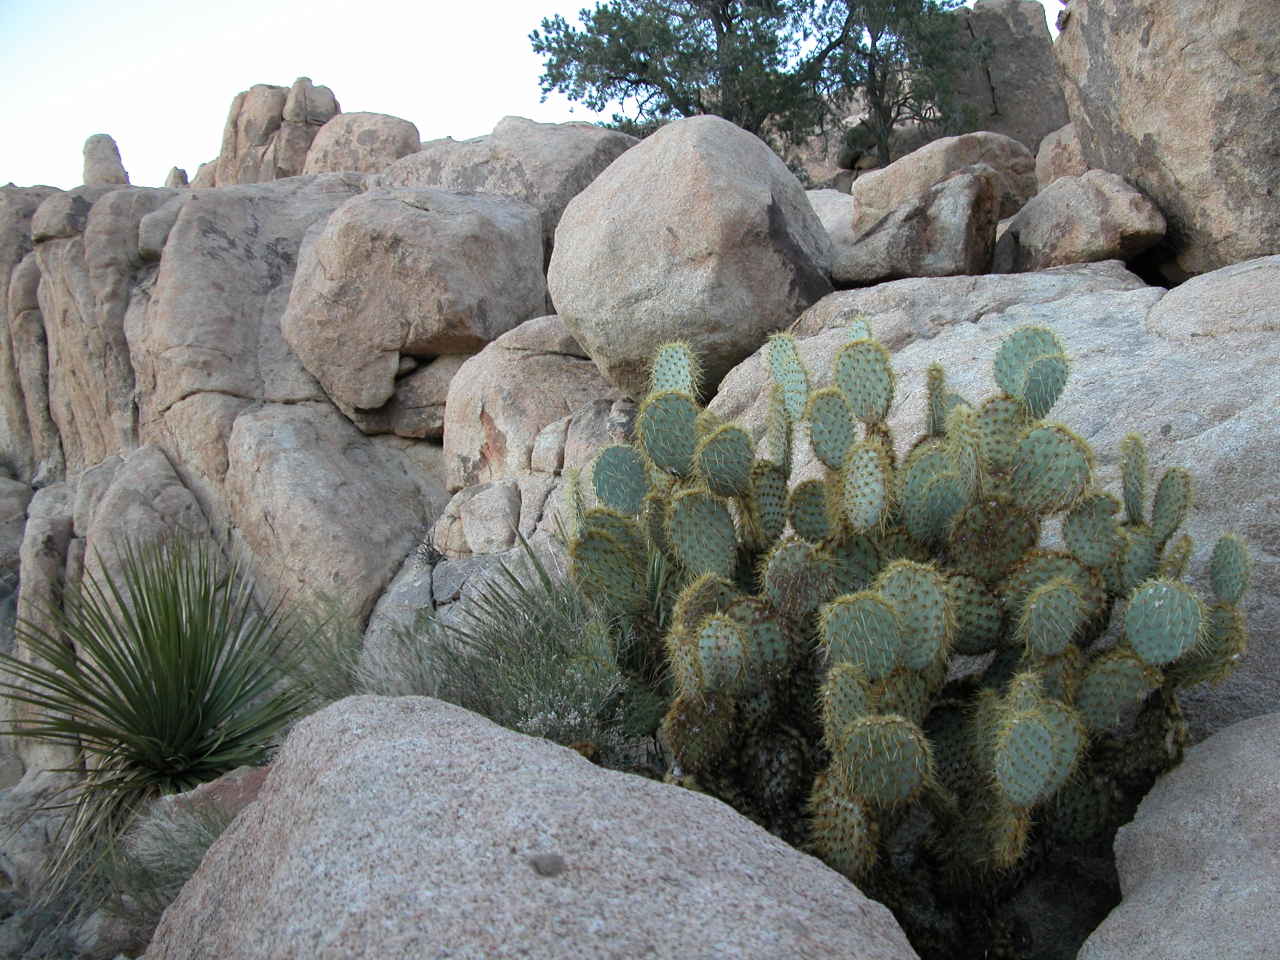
x=771, y=68
x=817, y=618
x=163, y=676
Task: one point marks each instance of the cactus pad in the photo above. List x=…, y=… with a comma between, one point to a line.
x=1170, y=505
x=619, y=478
x=866, y=482
x=810, y=511
x=701, y=530
x=845, y=698
x=675, y=367
x=767, y=504
x=722, y=654
x=1052, y=616
x=989, y=538
x=1229, y=569
x=1133, y=477
x=1031, y=367
x=885, y=760
x=864, y=374
x=844, y=832
x=788, y=373
x=1000, y=422
x=1164, y=620
x=832, y=426
x=666, y=424
x=919, y=594
x=723, y=458
x=1051, y=468
x=1090, y=531
x=863, y=629
x=1114, y=681
x=979, y=619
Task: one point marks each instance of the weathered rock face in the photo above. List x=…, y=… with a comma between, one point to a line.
x=1200, y=863
x=1059, y=156
x=835, y=210
x=14, y=497
x=176, y=177
x=947, y=231
x=1076, y=220
x=589, y=862
x=720, y=246
x=1181, y=100
x=1194, y=371
x=544, y=164
x=410, y=272
x=268, y=133
x=494, y=420
x=18, y=206
x=1015, y=91
x=361, y=142
x=84, y=294
x=102, y=164
x=903, y=181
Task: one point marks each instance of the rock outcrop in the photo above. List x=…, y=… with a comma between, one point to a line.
x=1078, y=220
x=102, y=163
x=268, y=133
x=1182, y=100
x=361, y=143
x=415, y=273
x=1059, y=156
x=720, y=244
x=544, y=164
x=547, y=855
x=1014, y=89
x=1200, y=863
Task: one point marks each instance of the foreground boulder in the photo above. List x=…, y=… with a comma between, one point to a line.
x=407, y=827
x=1200, y=863
x=1180, y=100
x=698, y=233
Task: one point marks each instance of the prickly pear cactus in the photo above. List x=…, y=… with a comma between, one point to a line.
x=823, y=605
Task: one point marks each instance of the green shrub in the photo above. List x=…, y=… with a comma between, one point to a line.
x=821, y=601
x=163, y=676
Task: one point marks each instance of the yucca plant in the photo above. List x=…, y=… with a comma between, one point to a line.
x=163, y=675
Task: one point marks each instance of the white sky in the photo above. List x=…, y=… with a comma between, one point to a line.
x=160, y=76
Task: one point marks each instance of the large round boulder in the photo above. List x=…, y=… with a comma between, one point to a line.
x=698, y=233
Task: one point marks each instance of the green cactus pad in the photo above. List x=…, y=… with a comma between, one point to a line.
x=1007, y=829
x=1000, y=422
x=863, y=629
x=1138, y=561
x=622, y=528
x=666, y=424
x=1114, y=681
x=1025, y=758
x=862, y=371
x=1069, y=737
x=1225, y=642
x=903, y=692
x=1051, y=468
x=1039, y=567
x=606, y=568
x=1031, y=366
x=941, y=401
x=866, y=484
x=722, y=654
x=767, y=504
x=681, y=649
x=989, y=538
x=932, y=493
x=708, y=422
x=832, y=426
x=1229, y=568
x=884, y=760
x=1059, y=674
x=1090, y=531
x=723, y=458
x=894, y=543
x=767, y=644
x=1171, y=503
x=796, y=579
x=675, y=367
x=845, y=834
x=788, y=373
x=844, y=697
x=811, y=512
x=698, y=730
x=855, y=562
x=979, y=619
x=1176, y=559
x=777, y=430
x=700, y=528
x=1053, y=615
x=619, y=477
x=1163, y=621
x=1133, y=478
x=653, y=516
x=964, y=443
x=859, y=328
x=919, y=594
x=702, y=596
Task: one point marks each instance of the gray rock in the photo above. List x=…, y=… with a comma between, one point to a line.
x=102, y=164
x=1059, y=156
x=1015, y=90
x=14, y=497
x=1180, y=99
x=647, y=868
x=177, y=177
x=410, y=272
x=949, y=230
x=360, y=143
x=720, y=247
x=1200, y=863
x=544, y=164
x=1076, y=220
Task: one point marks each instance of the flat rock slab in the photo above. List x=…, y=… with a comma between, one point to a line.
x=407, y=827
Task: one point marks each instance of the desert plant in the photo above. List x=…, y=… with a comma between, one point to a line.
x=824, y=599
x=162, y=676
